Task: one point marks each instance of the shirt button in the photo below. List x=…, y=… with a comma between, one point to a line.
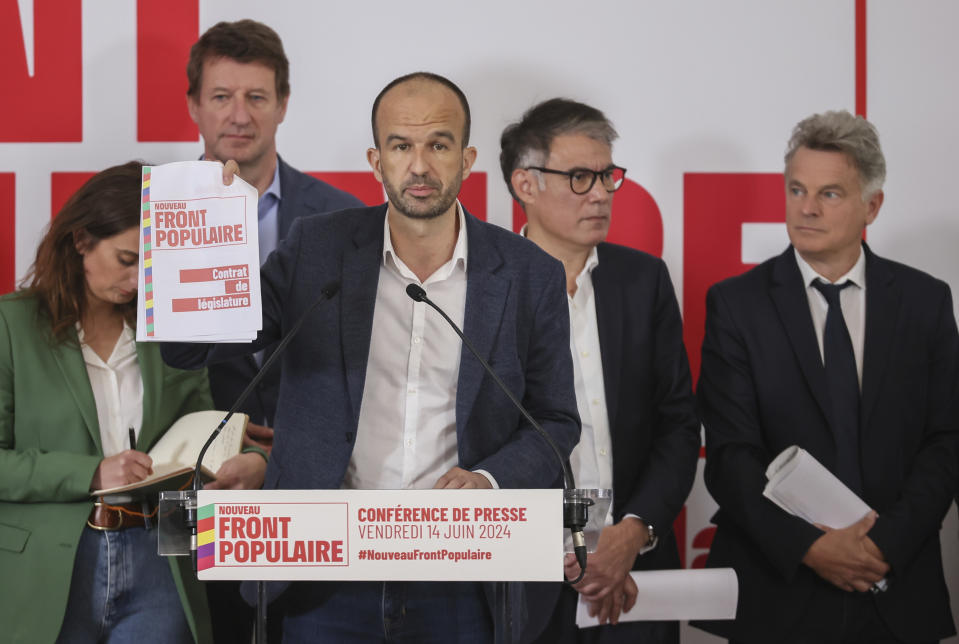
x=595, y=401
x=602, y=452
x=409, y=442
x=416, y=340
x=585, y=354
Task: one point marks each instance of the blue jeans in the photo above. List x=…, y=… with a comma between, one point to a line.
x=122, y=591
x=401, y=612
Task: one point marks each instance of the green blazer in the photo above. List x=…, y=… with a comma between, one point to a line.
x=49, y=450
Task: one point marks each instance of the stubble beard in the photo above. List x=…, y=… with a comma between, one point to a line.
x=420, y=208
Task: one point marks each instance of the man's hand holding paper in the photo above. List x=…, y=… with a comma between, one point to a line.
x=199, y=274
x=847, y=557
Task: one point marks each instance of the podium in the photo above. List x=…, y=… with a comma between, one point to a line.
x=370, y=535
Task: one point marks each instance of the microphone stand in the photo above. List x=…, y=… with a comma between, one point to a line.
x=326, y=293
x=575, y=509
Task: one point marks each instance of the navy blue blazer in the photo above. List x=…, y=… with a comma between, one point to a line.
x=516, y=315
x=302, y=195
x=762, y=388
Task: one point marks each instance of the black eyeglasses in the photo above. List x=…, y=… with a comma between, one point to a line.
x=581, y=180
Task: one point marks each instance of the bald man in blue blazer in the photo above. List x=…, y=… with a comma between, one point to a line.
x=513, y=310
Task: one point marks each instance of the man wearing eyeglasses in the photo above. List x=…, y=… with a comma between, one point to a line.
x=640, y=430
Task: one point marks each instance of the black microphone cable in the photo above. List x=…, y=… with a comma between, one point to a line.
x=575, y=511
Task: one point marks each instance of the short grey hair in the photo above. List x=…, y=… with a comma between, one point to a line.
x=854, y=136
x=528, y=141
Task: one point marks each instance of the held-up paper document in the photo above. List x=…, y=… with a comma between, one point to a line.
x=801, y=486
x=710, y=593
x=199, y=256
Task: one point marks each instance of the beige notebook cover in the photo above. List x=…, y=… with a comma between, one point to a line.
x=174, y=455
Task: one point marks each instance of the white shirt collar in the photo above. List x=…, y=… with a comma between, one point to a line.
x=591, y=262
x=856, y=274
x=126, y=345
x=391, y=259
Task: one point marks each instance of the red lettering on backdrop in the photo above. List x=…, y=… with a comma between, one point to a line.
x=365, y=187
x=636, y=221
x=62, y=187
x=165, y=32
x=473, y=194
x=8, y=228
x=56, y=84
x=679, y=529
x=716, y=206
x=703, y=541
x=362, y=185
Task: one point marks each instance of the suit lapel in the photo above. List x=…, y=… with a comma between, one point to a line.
x=361, y=271
x=789, y=295
x=69, y=358
x=609, y=322
x=882, y=310
x=289, y=191
x=151, y=373
x=486, y=294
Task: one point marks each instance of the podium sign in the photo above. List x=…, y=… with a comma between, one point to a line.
x=409, y=535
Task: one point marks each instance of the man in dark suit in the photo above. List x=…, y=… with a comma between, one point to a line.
x=640, y=432
x=855, y=359
x=380, y=394
x=238, y=90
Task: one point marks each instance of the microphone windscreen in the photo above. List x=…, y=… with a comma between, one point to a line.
x=330, y=289
x=416, y=292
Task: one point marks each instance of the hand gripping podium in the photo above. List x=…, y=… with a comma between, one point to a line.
x=370, y=535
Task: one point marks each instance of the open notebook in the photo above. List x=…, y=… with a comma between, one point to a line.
x=174, y=455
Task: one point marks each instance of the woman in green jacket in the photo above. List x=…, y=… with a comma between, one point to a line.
x=75, y=390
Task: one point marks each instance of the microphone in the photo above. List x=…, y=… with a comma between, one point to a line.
x=326, y=293
x=575, y=510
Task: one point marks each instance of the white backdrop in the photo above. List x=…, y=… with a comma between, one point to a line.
x=693, y=87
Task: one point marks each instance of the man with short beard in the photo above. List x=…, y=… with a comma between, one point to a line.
x=380, y=393
x=238, y=89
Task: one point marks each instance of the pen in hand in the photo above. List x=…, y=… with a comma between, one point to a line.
x=133, y=439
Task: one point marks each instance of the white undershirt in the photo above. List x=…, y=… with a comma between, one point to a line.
x=406, y=437
x=117, y=390
x=852, y=301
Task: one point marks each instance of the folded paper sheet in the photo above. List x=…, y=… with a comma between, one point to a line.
x=801, y=486
x=199, y=256
x=677, y=594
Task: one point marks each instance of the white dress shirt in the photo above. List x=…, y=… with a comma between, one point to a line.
x=592, y=458
x=406, y=437
x=852, y=301
x=117, y=390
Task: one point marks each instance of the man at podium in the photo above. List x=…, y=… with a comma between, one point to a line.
x=378, y=392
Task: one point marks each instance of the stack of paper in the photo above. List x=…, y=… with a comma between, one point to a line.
x=199, y=256
x=801, y=486
x=711, y=593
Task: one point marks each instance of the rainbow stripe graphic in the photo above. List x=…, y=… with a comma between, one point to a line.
x=147, y=250
x=205, y=537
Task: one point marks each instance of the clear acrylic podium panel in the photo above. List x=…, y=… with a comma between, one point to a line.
x=173, y=533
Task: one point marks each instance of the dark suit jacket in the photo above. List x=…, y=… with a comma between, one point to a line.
x=515, y=315
x=652, y=416
x=302, y=195
x=763, y=388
